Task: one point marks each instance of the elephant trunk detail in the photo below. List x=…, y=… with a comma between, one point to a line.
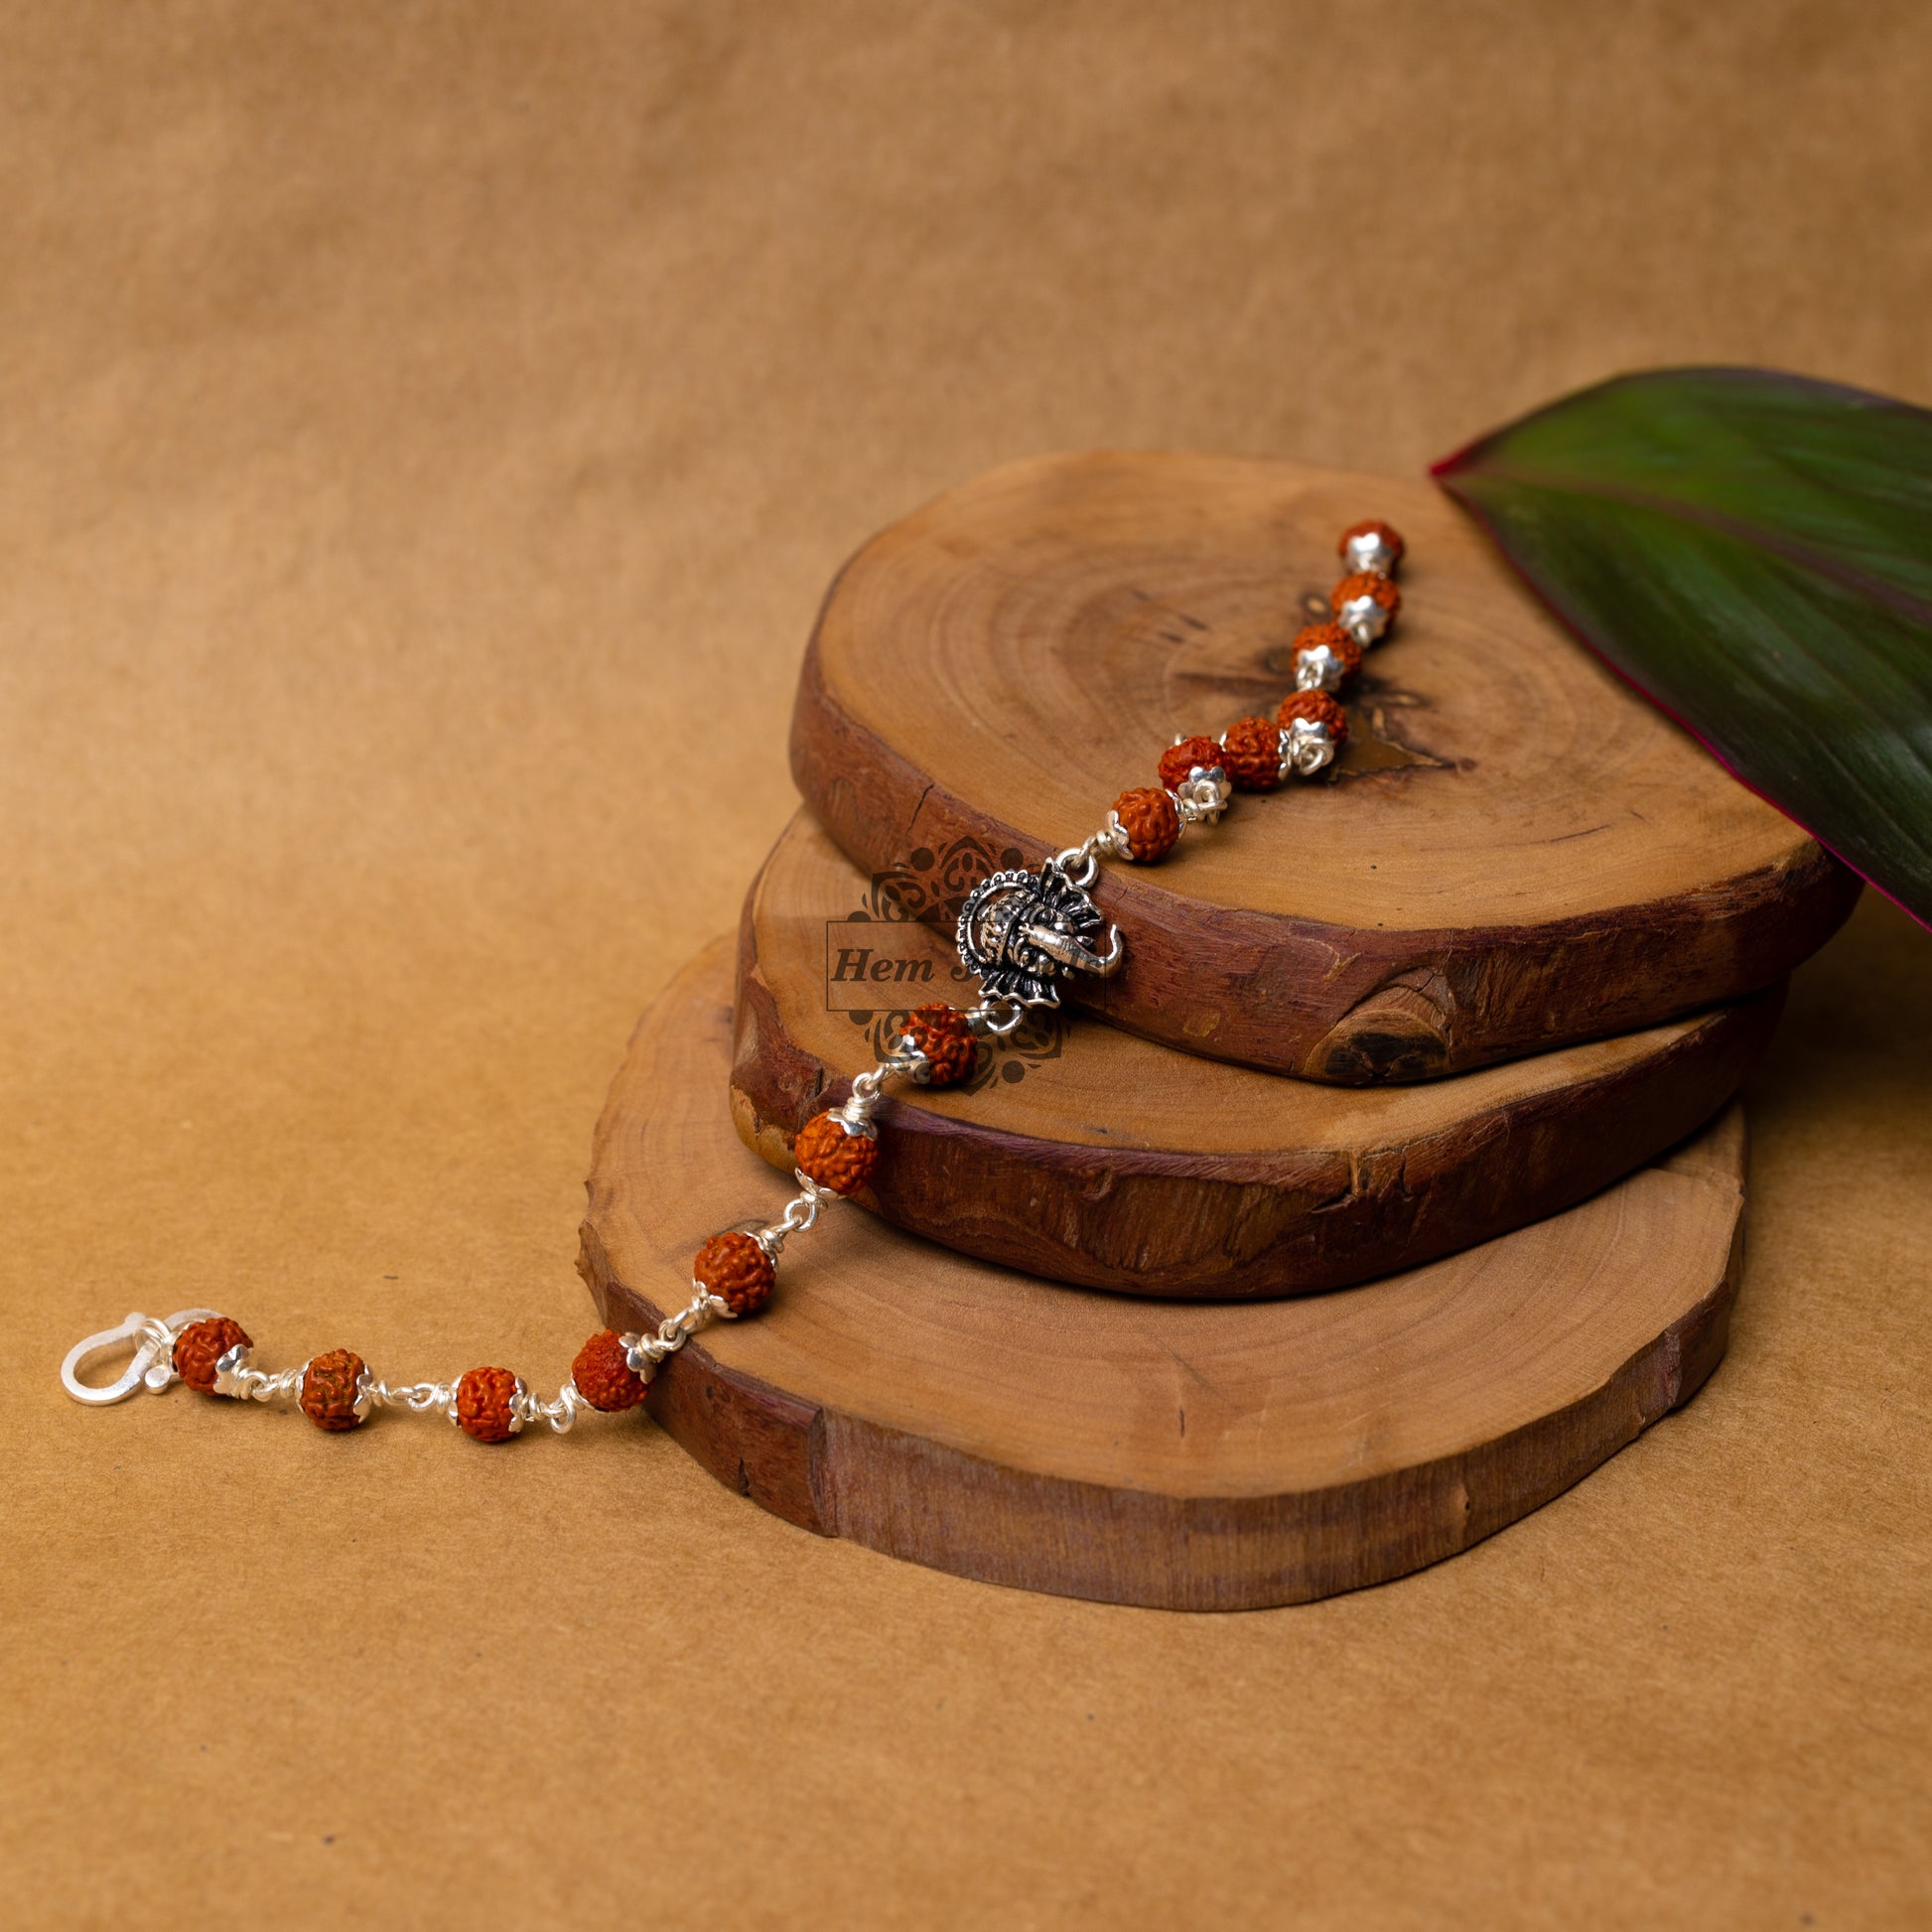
x=1069, y=952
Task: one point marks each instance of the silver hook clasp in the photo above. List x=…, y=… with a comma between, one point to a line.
x=153, y=1363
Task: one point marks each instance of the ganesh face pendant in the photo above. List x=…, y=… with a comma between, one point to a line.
x=1019, y=930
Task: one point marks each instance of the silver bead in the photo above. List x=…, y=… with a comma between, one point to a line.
x=1306, y=748
x=232, y=1372
x=1112, y=839
x=1363, y=619
x=1318, y=668
x=1369, y=552
x=1202, y=797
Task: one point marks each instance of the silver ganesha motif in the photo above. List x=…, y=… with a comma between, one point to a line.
x=1019, y=930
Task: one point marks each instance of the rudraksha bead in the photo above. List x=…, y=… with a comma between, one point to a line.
x=1366, y=583
x=1149, y=818
x=330, y=1385
x=1345, y=648
x=1367, y=539
x=735, y=1270
x=1250, y=754
x=941, y=1033
x=603, y=1378
x=485, y=1405
x=201, y=1344
x=1319, y=709
x=825, y=1152
x=1179, y=760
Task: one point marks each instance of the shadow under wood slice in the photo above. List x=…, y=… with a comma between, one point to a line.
x=1181, y=1454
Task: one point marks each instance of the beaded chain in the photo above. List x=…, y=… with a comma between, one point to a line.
x=1017, y=933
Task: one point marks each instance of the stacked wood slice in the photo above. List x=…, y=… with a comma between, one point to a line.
x=1445, y=1030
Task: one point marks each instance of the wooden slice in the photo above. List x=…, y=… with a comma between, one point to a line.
x=1121, y=1165
x=1514, y=851
x=1191, y=1454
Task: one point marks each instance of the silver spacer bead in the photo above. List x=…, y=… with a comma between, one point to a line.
x=1369, y=553
x=1307, y=747
x=1363, y=619
x=1318, y=668
x=1202, y=797
x=232, y=1373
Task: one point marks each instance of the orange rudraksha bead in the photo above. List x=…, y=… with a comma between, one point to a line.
x=331, y=1388
x=1319, y=709
x=485, y=1405
x=825, y=1152
x=735, y=1270
x=1335, y=641
x=603, y=1378
x=1373, y=545
x=1250, y=754
x=1149, y=818
x=1365, y=604
x=941, y=1033
x=201, y=1344
x=1179, y=760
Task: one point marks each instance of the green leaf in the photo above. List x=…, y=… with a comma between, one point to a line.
x=1753, y=551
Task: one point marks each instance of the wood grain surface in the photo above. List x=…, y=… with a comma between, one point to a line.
x=1512, y=852
x=1086, y=1155
x=1184, y=1454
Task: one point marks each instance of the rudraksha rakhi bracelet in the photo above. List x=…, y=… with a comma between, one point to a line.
x=1019, y=933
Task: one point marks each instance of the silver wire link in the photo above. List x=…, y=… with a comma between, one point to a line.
x=235, y=1375
x=642, y=1353
x=420, y=1398
x=867, y=1088
x=801, y=1215
x=996, y=1018
x=562, y=1414
x=1079, y=864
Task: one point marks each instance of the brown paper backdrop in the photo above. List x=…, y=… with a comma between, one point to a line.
x=425, y=432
